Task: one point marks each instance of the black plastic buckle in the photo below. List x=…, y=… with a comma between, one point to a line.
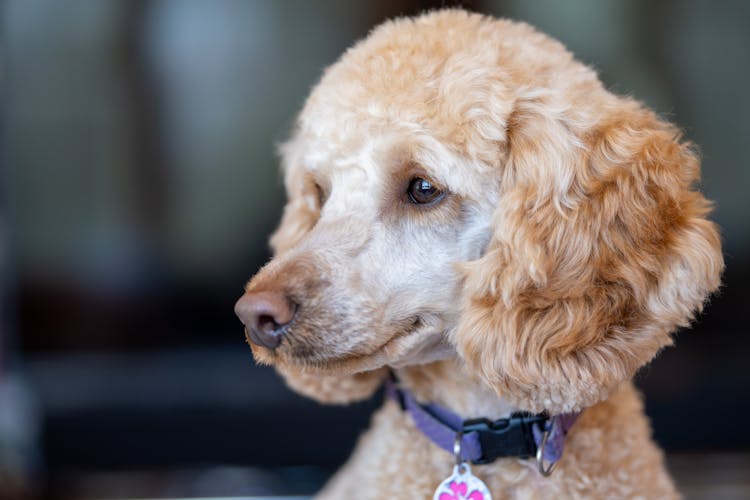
x=506, y=437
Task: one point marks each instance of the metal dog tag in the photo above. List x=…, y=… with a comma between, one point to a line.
x=462, y=485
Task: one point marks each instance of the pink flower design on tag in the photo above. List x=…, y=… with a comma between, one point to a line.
x=459, y=493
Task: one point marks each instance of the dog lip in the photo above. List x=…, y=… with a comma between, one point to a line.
x=379, y=353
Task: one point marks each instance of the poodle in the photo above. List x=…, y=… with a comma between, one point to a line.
x=476, y=222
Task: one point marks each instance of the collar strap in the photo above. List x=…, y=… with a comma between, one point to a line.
x=483, y=440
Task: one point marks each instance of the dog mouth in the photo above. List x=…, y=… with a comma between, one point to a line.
x=411, y=338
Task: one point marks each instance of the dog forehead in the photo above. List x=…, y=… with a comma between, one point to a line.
x=438, y=78
x=442, y=86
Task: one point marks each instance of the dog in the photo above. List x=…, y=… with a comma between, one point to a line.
x=475, y=221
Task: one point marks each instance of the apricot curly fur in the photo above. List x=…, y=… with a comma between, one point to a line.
x=570, y=243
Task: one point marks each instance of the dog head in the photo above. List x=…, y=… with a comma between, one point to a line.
x=462, y=187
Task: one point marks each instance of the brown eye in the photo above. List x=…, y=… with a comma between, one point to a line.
x=421, y=191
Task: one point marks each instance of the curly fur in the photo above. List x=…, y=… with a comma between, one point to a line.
x=570, y=244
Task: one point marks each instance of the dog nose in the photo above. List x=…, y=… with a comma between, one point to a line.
x=264, y=314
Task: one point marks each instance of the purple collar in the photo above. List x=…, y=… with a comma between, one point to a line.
x=481, y=440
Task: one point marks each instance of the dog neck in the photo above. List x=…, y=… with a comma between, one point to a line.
x=449, y=384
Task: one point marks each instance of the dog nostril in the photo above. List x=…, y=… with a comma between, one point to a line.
x=265, y=314
x=267, y=324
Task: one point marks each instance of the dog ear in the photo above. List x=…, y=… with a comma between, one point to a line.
x=601, y=248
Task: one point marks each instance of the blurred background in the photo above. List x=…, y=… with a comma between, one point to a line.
x=138, y=186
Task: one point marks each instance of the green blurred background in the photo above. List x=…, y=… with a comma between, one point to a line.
x=138, y=186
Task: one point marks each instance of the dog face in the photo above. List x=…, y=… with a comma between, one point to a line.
x=461, y=187
x=373, y=278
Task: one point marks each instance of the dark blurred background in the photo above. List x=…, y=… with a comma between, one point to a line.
x=138, y=186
